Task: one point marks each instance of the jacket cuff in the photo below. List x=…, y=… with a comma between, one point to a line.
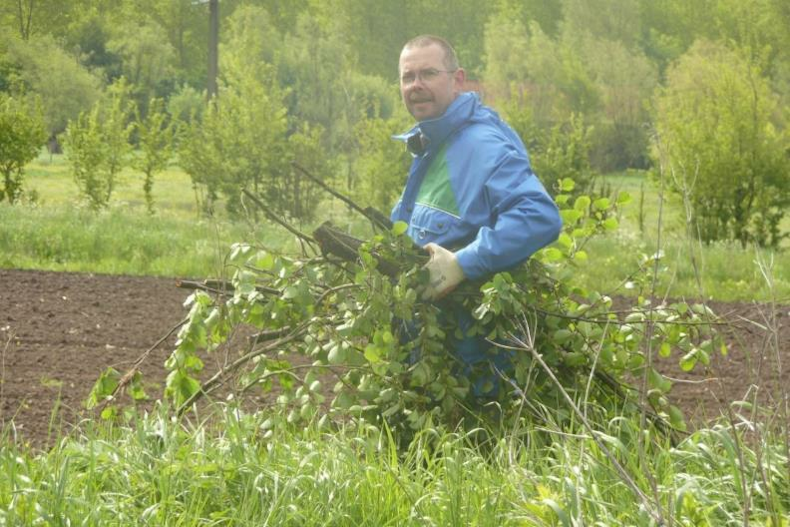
x=470, y=263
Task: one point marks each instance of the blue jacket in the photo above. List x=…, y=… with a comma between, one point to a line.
x=471, y=190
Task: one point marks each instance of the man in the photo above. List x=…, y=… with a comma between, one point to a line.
x=471, y=199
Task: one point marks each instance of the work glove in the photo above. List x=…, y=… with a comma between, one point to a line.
x=444, y=270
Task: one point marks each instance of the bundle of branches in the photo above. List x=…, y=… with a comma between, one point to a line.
x=354, y=308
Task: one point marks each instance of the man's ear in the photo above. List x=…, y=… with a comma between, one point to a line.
x=459, y=77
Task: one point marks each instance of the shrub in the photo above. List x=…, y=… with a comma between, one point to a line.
x=22, y=133
x=720, y=134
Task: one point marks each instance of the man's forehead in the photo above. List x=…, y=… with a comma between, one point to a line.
x=430, y=55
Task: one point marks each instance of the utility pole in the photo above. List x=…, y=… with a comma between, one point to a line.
x=213, y=43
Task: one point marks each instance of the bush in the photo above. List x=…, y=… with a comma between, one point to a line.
x=22, y=133
x=721, y=136
x=97, y=145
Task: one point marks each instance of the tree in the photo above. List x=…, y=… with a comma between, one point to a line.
x=382, y=164
x=155, y=137
x=22, y=133
x=240, y=143
x=146, y=59
x=64, y=86
x=721, y=133
x=97, y=145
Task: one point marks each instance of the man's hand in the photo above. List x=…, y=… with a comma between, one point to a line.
x=445, y=272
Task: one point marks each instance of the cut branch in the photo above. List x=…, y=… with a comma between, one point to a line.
x=272, y=216
x=216, y=380
x=376, y=217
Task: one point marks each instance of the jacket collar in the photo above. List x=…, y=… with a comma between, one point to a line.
x=435, y=131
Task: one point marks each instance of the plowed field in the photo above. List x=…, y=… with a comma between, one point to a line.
x=59, y=331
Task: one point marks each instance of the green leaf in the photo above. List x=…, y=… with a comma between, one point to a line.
x=658, y=381
x=665, y=350
x=552, y=254
x=570, y=216
x=103, y=387
x=336, y=355
x=582, y=203
x=623, y=198
x=562, y=335
x=676, y=417
x=601, y=204
x=264, y=261
x=567, y=185
x=399, y=228
x=565, y=240
x=580, y=256
x=610, y=224
x=689, y=360
x=372, y=353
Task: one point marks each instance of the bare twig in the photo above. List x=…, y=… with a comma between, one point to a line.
x=129, y=375
x=221, y=287
x=272, y=216
x=212, y=383
x=527, y=344
x=375, y=217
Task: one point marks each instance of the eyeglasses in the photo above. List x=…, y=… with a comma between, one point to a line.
x=426, y=75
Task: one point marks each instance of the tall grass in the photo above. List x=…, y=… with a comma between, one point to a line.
x=116, y=241
x=254, y=469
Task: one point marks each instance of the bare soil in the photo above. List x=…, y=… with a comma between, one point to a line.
x=59, y=331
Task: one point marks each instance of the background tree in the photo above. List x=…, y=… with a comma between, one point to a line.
x=382, y=163
x=240, y=143
x=64, y=86
x=155, y=136
x=97, y=145
x=723, y=135
x=22, y=133
x=146, y=60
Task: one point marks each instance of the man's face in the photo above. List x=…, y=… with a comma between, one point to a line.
x=426, y=86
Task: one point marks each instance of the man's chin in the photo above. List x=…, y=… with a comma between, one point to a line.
x=422, y=111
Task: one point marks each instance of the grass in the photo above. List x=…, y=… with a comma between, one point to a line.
x=58, y=232
x=727, y=271
x=255, y=469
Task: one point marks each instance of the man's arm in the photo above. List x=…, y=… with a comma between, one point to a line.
x=526, y=219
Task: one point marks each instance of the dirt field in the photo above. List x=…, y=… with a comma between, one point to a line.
x=59, y=331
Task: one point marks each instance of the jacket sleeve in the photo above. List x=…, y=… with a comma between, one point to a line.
x=524, y=219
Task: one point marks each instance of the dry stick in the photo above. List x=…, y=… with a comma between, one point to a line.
x=375, y=217
x=773, y=325
x=11, y=335
x=129, y=375
x=221, y=287
x=212, y=383
x=622, y=472
x=770, y=343
x=686, y=192
x=272, y=216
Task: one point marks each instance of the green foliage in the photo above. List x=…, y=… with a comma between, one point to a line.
x=724, y=141
x=146, y=59
x=155, y=137
x=381, y=163
x=185, y=104
x=97, y=145
x=21, y=135
x=561, y=153
x=392, y=353
x=65, y=87
x=240, y=143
